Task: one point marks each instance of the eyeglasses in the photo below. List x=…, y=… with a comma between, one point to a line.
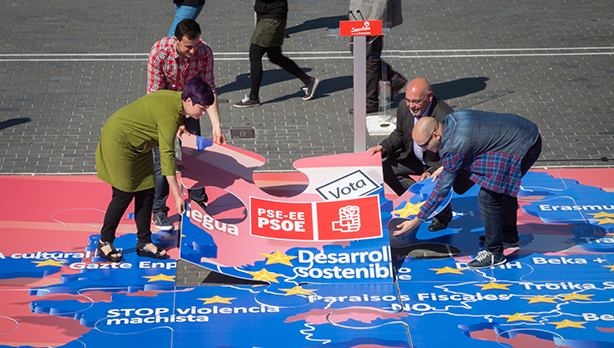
x=423, y=146
x=416, y=101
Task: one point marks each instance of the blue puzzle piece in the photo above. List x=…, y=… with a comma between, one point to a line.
x=132, y=274
x=193, y=314
x=573, y=203
x=203, y=143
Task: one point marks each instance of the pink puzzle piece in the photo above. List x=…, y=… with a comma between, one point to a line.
x=330, y=178
x=18, y=325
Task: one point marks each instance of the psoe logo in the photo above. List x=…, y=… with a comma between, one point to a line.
x=365, y=27
x=349, y=219
x=353, y=185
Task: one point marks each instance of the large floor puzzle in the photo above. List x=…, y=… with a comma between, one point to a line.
x=318, y=244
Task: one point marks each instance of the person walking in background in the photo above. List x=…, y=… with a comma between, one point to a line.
x=172, y=62
x=185, y=9
x=267, y=38
x=389, y=12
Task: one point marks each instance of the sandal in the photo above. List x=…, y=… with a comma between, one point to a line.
x=109, y=256
x=141, y=251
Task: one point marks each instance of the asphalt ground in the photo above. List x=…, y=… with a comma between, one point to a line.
x=66, y=66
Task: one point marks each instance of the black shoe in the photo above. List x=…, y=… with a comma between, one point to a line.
x=370, y=110
x=486, y=259
x=437, y=225
x=199, y=196
x=108, y=256
x=141, y=251
x=310, y=89
x=396, y=88
x=506, y=245
x=162, y=222
x=202, y=205
x=247, y=103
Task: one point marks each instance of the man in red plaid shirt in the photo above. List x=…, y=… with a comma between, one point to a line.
x=172, y=62
x=492, y=150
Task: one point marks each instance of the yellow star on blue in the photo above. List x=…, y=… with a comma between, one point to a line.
x=491, y=286
x=409, y=210
x=568, y=323
x=601, y=214
x=279, y=257
x=539, y=299
x=160, y=277
x=297, y=290
x=49, y=263
x=606, y=221
x=519, y=317
x=447, y=270
x=217, y=299
x=265, y=275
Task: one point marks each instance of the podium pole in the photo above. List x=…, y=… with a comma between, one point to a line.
x=359, y=30
x=360, y=93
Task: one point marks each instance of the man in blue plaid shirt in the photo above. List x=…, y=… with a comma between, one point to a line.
x=492, y=150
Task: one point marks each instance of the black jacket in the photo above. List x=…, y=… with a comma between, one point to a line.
x=400, y=138
x=273, y=9
x=190, y=2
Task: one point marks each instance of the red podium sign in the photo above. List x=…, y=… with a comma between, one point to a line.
x=360, y=28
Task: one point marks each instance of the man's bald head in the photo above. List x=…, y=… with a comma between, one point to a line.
x=427, y=133
x=419, y=85
x=418, y=96
x=426, y=124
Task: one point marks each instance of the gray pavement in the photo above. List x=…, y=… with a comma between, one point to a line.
x=66, y=66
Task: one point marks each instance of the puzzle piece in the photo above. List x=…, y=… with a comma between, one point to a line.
x=573, y=203
x=536, y=321
x=19, y=324
x=346, y=306
x=505, y=303
x=192, y=314
x=331, y=232
x=409, y=204
x=132, y=274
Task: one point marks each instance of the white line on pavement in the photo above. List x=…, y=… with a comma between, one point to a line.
x=398, y=54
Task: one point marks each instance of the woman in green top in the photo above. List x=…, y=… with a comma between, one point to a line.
x=124, y=159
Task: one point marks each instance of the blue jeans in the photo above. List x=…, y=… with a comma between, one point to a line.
x=162, y=188
x=182, y=12
x=499, y=211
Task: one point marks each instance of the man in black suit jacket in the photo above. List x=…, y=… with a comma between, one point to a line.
x=404, y=156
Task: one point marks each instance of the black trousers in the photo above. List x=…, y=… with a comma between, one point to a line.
x=162, y=189
x=378, y=70
x=143, y=202
x=255, y=67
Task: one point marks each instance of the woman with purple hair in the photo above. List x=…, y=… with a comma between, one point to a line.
x=124, y=159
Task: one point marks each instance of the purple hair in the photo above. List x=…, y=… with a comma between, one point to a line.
x=199, y=91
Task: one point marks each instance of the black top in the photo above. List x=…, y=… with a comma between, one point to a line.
x=274, y=9
x=190, y=2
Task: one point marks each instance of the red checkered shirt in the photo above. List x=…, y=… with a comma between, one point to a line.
x=167, y=70
x=498, y=172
